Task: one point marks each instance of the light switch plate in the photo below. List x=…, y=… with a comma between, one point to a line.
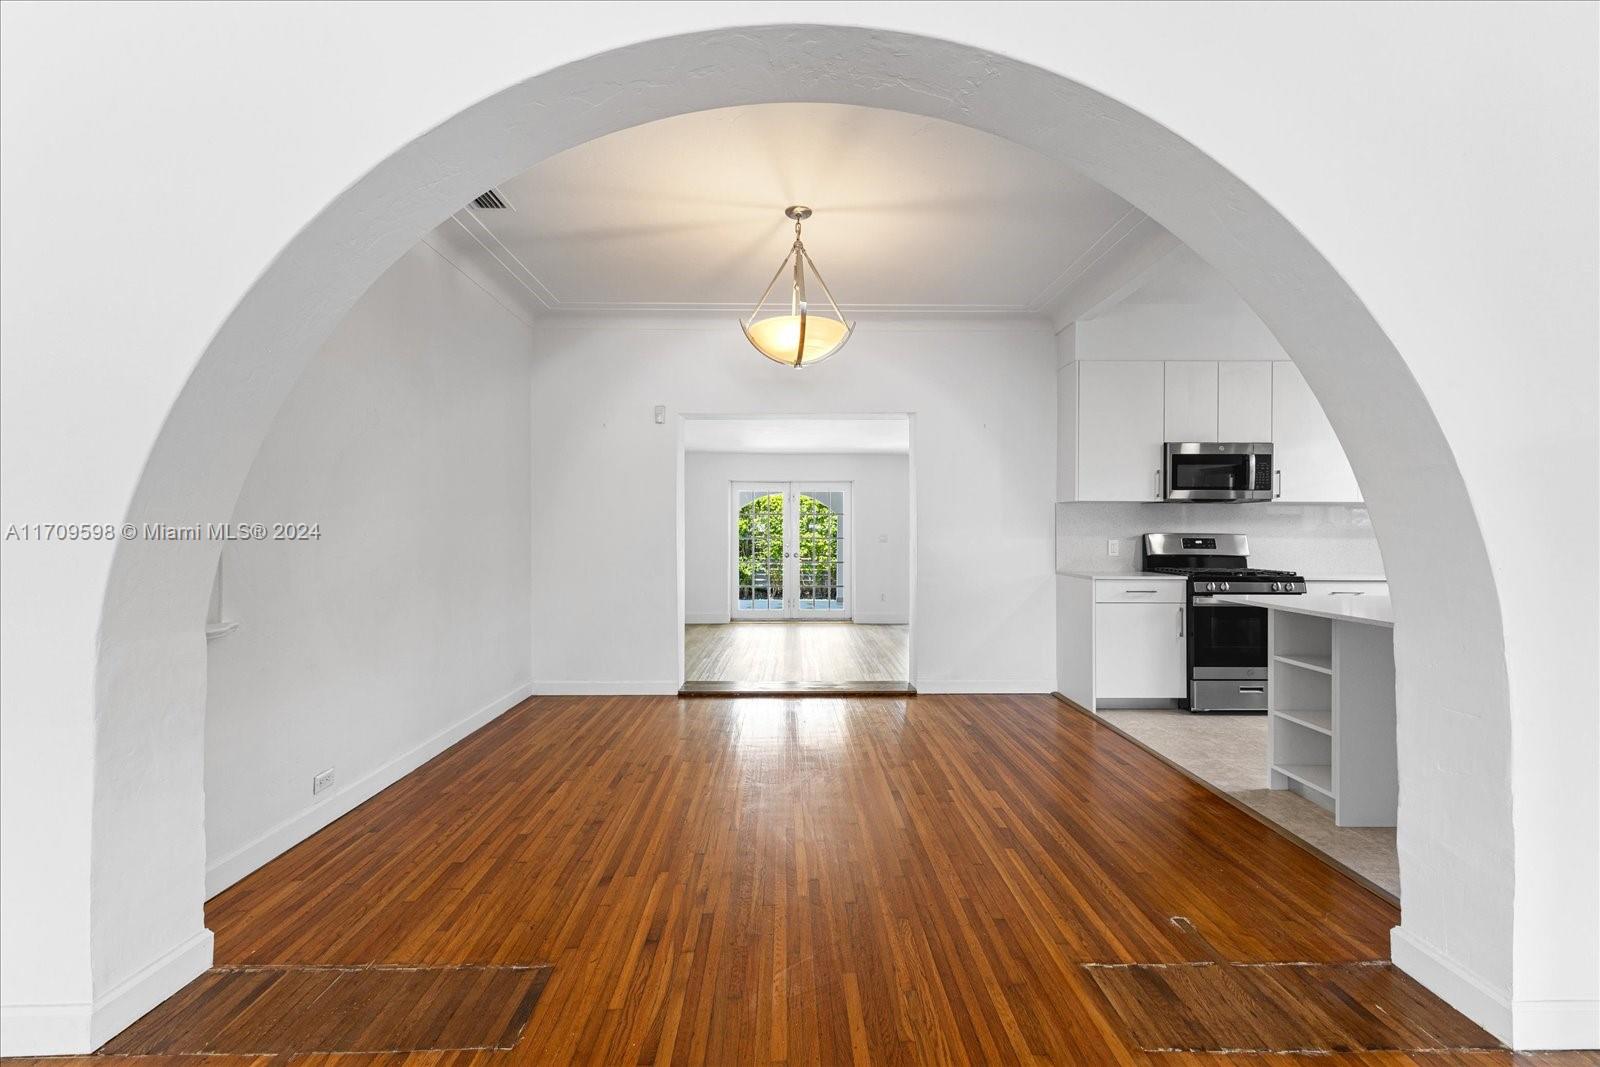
x=1113, y=547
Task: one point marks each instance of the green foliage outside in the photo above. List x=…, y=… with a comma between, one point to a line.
x=761, y=543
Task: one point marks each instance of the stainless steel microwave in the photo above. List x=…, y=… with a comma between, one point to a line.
x=1218, y=470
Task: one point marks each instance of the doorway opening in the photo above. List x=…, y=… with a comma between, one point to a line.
x=796, y=554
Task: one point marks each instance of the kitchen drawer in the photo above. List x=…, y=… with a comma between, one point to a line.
x=1139, y=591
x=1348, y=588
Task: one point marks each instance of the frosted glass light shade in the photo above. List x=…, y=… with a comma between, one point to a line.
x=778, y=338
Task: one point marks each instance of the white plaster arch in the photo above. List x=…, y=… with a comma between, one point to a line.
x=148, y=853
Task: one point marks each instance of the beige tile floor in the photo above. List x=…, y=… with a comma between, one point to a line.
x=1230, y=752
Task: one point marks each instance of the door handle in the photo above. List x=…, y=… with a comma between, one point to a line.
x=1277, y=484
x=1158, y=484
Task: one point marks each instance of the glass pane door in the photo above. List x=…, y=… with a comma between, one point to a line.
x=791, y=550
x=820, y=551
x=759, y=532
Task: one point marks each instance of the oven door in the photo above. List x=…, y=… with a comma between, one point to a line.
x=1212, y=470
x=1226, y=641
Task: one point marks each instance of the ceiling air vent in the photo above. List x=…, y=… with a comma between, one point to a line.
x=490, y=201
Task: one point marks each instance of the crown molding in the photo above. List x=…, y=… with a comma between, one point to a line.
x=1121, y=268
x=1134, y=243
x=899, y=322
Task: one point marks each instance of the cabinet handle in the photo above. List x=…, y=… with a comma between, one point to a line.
x=1141, y=592
x=1277, y=483
x=1158, y=485
x=1180, y=622
x=1347, y=592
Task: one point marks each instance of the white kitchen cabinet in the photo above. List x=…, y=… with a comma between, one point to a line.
x=1139, y=651
x=1362, y=587
x=1120, y=639
x=1067, y=432
x=1244, y=401
x=1120, y=430
x=1191, y=402
x=1308, y=462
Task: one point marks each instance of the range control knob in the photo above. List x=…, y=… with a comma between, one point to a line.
x=1276, y=586
x=1224, y=587
x=1210, y=586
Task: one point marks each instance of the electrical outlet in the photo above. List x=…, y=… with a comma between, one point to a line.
x=322, y=782
x=1113, y=547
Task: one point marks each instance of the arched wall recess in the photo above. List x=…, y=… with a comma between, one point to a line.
x=147, y=851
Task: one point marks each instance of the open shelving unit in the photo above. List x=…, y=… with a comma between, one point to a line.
x=1330, y=738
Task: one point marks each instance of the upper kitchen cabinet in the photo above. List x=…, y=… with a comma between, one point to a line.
x=1119, y=430
x=1309, y=464
x=1244, y=401
x=1178, y=356
x=1191, y=402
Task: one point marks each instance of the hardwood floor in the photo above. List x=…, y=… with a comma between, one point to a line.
x=927, y=880
x=796, y=652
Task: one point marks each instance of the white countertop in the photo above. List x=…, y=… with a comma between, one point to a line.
x=1127, y=576
x=1371, y=609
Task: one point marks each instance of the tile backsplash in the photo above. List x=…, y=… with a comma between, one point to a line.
x=1318, y=540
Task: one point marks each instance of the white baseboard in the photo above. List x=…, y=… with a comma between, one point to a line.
x=1461, y=989
x=1555, y=1024
x=1041, y=686
x=295, y=829
x=707, y=618
x=76, y=1029
x=131, y=998
x=604, y=689
x=46, y=1029
x=881, y=618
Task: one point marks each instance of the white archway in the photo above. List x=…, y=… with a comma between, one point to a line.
x=147, y=858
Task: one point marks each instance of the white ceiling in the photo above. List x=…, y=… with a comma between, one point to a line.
x=912, y=215
x=888, y=434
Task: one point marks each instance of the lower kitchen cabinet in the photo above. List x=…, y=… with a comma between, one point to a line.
x=1121, y=639
x=1138, y=651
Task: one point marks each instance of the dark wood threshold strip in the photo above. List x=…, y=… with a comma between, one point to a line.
x=796, y=689
x=1278, y=828
x=1276, y=1009
x=274, y=1010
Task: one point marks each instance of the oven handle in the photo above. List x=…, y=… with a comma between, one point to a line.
x=1208, y=602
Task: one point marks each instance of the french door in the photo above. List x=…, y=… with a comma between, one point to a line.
x=791, y=545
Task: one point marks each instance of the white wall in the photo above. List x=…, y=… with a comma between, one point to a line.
x=880, y=526
x=406, y=625
x=1183, y=310
x=605, y=577
x=1349, y=218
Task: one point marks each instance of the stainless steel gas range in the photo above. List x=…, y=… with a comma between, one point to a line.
x=1227, y=642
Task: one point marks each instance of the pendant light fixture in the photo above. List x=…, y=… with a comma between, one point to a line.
x=802, y=337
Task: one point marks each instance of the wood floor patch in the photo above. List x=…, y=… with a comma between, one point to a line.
x=1312, y=1008
x=260, y=1011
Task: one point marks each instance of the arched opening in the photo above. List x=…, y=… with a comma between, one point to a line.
x=148, y=853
